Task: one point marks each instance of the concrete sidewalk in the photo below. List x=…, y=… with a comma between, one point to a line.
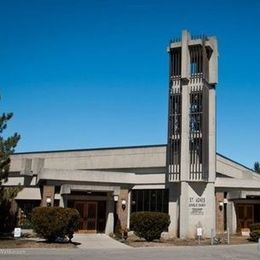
x=97, y=241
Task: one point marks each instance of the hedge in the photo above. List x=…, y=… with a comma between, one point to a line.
x=255, y=226
x=255, y=232
x=149, y=225
x=54, y=222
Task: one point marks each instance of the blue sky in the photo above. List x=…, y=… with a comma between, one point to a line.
x=82, y=74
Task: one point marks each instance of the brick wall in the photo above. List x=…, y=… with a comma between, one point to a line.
x=219, y=212
x=122, y=213
x=47, y=192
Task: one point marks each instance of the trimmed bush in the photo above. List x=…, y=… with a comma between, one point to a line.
x=255, y=235
x=255, y=232
x=118, y=228
x=73, y=218
x=26, y=224
x=149, y=225
x=52, y=223
x=255, y=226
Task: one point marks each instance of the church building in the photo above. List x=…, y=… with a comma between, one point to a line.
x=185, y=178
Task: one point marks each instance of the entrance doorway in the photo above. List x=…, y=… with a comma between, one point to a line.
x=245, y=215
x=92, y=215
x=88, y=215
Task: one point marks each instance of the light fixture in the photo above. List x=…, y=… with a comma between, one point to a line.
x=116, y=198
x=123, y=202
x=221, y=204
x=48, y=201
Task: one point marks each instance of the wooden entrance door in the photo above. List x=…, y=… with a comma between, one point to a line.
x=91, y=218
x=88, y=215
x=245, y=215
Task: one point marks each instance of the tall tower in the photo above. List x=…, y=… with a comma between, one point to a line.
x=191, y=150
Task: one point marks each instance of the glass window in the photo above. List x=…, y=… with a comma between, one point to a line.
x=150, y=200
x=159, y=201
x=140, y=200
x=146, y=201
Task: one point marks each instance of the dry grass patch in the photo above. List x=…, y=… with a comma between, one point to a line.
x=138, y=242
x=29, y=243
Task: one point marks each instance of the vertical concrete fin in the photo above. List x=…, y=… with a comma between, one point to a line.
x=185, y=64
x=213, y=61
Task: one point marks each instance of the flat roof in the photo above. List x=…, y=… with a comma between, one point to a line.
x=94, y=149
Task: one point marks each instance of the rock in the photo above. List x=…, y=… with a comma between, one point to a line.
x=167, y=236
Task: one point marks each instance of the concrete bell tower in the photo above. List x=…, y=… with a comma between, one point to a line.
x=191, y=150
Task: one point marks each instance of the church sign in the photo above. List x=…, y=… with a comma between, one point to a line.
x=197, y=205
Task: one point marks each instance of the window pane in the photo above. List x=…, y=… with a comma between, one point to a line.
x=146, y=201
x=140, y=200
x=133, y=201
x=165, y=201
x=153, y=200
x=159, y=201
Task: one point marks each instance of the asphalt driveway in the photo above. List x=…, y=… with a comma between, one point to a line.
x=221, y=252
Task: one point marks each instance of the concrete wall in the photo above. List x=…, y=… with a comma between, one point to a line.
x=137, y=160
x=143, y=157
x=174, y=209
x=197, y=209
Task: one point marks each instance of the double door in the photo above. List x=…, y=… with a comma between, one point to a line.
x=245, y=215
x=88, y=215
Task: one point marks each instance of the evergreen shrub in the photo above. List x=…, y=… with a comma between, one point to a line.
x=149, y=225
x=255, y=232
x=55, y=222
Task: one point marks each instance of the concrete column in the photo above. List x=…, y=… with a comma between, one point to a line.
x=63, y=201
x=212, y=135
x=184, y=210
x=185, y=154
x=213, y=62
x=231, y=217
x=129, y=209
x=185, y=63
x=174, y=193
x=110, y=216
x=185, y=169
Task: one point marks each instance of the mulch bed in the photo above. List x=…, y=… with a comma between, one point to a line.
x=137, y=242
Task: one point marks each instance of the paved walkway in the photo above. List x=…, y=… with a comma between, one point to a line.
x=97, y=241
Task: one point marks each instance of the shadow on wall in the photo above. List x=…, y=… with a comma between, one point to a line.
x=199, y=188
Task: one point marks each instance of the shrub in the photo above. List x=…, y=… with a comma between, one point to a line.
x=149, y=225
x=118, y=228
x=26, y=224
x=8, y=217
x=52, y=223
x=73, y=218
x=255, y=232
x=255, y=235
x=255, y=226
